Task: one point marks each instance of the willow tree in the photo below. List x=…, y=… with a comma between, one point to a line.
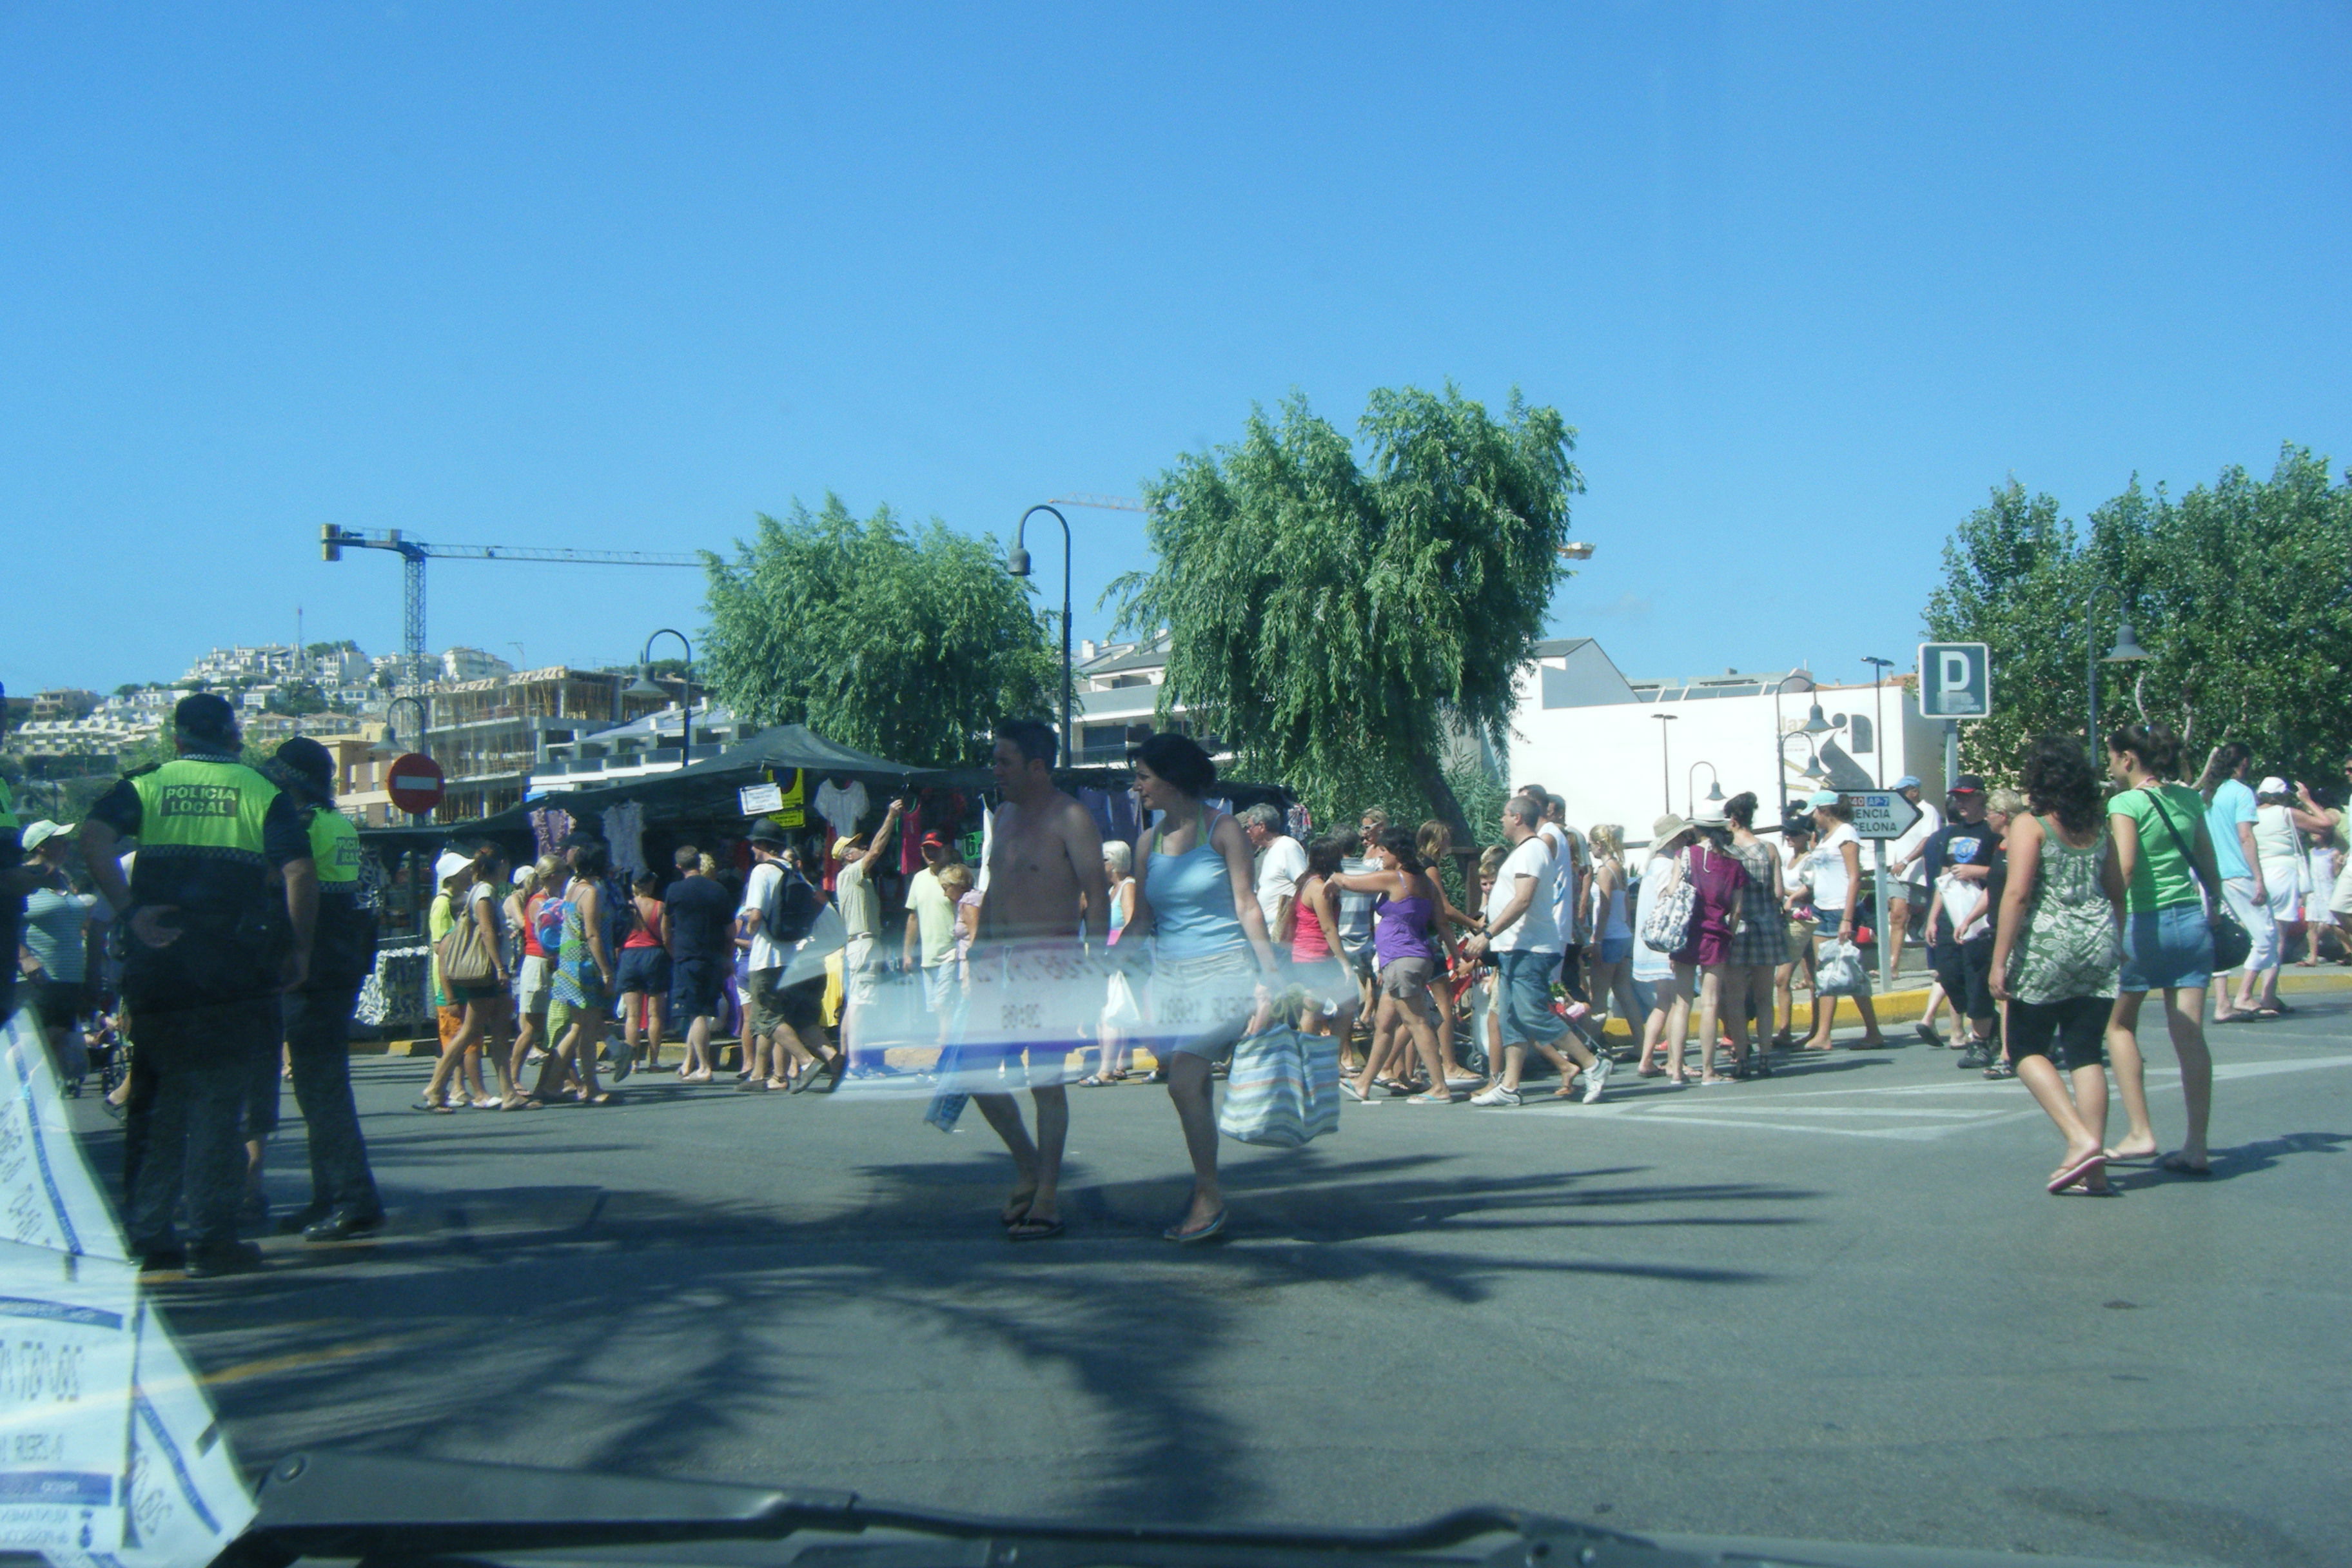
x=1337, y=614
x=911, y=645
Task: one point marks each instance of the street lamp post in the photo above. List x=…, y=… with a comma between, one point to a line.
x=1017, y=563
x=643, y=686
x=1690, y=787
x=1666, y=767
x=2125, y=651
x=1878, y=668
x=1781, y=735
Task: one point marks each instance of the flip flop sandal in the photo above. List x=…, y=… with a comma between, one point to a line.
x=2076, y=1171
x=2180, y=1167
x=1027, y=1229
x=1182, y=1237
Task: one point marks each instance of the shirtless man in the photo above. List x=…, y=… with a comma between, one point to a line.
x=1045, y=877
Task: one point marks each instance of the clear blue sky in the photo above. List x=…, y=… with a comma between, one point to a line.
x=1808, y=281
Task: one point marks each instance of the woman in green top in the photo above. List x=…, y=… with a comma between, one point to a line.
x=2055, y=954
x=2167, y=861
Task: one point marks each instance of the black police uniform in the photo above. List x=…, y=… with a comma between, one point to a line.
x=210, y=830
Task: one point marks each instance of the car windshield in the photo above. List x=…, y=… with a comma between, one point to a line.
x=1167, y=710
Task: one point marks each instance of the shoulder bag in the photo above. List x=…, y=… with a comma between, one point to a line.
x=466, y=958
x=1667, y=928
x=2231, y=944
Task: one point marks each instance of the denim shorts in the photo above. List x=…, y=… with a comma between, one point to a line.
x=1523, y=986
x=1616, y=949
x=2165, y=948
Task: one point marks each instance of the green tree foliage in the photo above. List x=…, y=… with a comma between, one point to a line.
x=1336, y=620
x=2242, y=590
x=297, y=698
x=910, y=644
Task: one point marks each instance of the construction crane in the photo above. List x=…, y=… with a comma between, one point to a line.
x=1100, y=503
x=414, y=552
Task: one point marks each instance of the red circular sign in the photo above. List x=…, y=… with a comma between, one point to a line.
x=413, y=782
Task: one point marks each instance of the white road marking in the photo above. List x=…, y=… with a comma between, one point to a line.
x=1769, y=1111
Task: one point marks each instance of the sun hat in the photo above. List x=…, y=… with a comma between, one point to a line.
x=1711, y=814
x=40, y=833
x=846, y=843
x=1666, y=827
x=450, y=864
x=765, y=831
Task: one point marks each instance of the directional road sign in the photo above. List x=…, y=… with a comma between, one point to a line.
x=1955, y=680
x=1881, y=813
x=415, y=783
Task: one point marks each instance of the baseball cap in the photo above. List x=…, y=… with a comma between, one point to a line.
x=846, y=843
x=521, y=874
x=40, y=833
x=1967, y=783
x=765, y=831
x=450, y=864
x=1908, y=780
x=2275, y=786
x=935, y=839
x=1822, y=798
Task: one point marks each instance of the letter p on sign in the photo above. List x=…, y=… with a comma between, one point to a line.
x=1955, y=680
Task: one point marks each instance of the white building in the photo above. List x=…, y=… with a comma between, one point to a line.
x=472, y=663
x=1628, y=750
x=593, y=758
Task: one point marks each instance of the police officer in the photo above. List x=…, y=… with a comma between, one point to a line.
x=344, y=1201
x=212, y=939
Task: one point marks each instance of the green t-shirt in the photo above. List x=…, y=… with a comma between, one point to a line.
x=2163, y=878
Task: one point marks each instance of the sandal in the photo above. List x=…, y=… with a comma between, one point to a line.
x=1431, y=1097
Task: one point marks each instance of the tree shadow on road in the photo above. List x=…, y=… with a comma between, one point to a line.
x=678, y=1327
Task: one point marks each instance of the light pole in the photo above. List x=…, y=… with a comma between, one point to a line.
x=1815, y=724
x=1017, y=563
x=1690, y=787
x=643, y=686
x=1878, y=668
x=2125, y=651
x=1666, y=767
x=391, y=725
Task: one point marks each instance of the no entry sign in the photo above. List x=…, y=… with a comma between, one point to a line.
x=415, y=783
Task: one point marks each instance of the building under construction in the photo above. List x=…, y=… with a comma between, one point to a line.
x=489, y=735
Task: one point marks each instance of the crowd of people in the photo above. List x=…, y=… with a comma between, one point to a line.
x=2049, y=912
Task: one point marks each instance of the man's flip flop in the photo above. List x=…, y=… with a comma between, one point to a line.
x=1027, y=1229
x=2077, y=1170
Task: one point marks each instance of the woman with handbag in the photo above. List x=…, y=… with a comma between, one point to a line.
x=1718, y=883
x=1834, y=870
x=2176, y=931
x=1654, y=966
x=472, y=963
x=1759, y=944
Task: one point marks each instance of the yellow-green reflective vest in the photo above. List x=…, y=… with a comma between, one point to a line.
x=8, y=823
x=334, y=847
x=197, y=809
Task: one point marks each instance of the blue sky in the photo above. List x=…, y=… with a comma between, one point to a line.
x=1807, y=280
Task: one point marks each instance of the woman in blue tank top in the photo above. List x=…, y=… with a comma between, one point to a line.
x=1194, y=896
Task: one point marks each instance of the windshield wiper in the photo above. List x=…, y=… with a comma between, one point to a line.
x=384, y=1512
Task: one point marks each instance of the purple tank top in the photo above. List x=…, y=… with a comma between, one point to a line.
x=1402, y=928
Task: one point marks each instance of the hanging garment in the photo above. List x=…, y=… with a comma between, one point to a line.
x=842, y=806
x=624, y=830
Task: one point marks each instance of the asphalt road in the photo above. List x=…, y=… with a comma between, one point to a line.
x=1837, y=1305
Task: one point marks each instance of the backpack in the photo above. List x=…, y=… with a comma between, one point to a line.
x=547, y=923
x=790, y=912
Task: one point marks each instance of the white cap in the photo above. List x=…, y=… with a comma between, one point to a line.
x=41, y=832
x=2272, y=785
x=450, y=864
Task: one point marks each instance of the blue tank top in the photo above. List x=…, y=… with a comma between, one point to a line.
x=1193, y=901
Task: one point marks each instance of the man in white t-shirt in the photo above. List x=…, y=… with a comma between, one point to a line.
x=1281, y=861
x=930, y=944
x=1524, y=937
x=787, y=1023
